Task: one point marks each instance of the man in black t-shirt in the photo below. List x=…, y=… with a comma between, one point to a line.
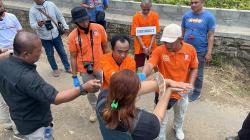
x=26, y=93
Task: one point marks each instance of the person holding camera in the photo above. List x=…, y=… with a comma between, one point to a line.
x=27, y=94
x=117, y=60
x=96, y=10
x=46, y=19
x=87, y=43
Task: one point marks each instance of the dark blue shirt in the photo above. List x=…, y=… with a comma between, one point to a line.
x=99, y=6
x=197, y=27
x=27, y=95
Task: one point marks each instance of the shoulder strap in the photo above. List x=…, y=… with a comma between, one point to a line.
x=41, y=11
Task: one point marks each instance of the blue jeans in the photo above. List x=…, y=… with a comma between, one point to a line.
x=199, y=81
x=49, y=49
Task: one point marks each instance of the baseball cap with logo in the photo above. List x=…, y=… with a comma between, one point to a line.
x=171, y=33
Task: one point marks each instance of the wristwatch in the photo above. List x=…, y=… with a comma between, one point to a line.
x=82, y=90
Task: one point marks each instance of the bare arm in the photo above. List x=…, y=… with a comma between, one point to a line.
x=85, y=5
x=147, y=68
x=105, y=47
x=140, y=41
x=208, y=56
x=91, y=86
x=161, y=106
x=67, y=95
x=152, y=40
x=73, y=63
x=193, y=76
x=147, y=87
x=183, y=32
x=151, y=43
x=5, y=54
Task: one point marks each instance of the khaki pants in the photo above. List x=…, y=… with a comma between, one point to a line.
x=180, y=109
x=5, y=116
x=86, y=77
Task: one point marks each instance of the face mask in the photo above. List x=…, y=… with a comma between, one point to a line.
x=86, y=30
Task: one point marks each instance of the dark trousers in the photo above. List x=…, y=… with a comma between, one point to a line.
x=244, y=133
x=49, y=46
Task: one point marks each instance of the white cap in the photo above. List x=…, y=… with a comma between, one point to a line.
x=171, y=33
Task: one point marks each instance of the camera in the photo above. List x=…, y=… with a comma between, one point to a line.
x=48, y=25
x=89, y=67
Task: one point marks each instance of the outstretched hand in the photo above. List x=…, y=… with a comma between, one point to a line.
x=179, y=85
x=92, y=86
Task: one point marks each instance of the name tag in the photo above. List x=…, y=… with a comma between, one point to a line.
x=150, y=30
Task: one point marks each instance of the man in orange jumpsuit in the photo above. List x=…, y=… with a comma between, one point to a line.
x=118, y=59
x=145, y=26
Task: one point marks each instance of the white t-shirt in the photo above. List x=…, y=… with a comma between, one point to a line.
x=8, y=29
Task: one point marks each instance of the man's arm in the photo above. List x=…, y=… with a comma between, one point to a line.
x=193, y=76
x=183, y=32
x=60, y=17
x=73, y=62
x=33, y=23
x=91, y=86
x=4, y=55
x=85, y=5
x=151, y=43
x=208, y=56
x=147, y=69
x=105, y=47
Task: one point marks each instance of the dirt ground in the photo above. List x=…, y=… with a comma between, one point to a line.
x=219, y=113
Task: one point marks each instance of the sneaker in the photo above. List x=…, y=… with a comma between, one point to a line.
x=92, y=117
x=233, y=138
x=56, y=73
x=194, y=97
x=179, y=134
x=68, y=71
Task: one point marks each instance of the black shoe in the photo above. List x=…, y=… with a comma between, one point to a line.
x=233, y=138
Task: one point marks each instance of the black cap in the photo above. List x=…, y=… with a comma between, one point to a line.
x=78, y=14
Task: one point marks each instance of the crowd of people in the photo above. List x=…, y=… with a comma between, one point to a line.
x=112, y=80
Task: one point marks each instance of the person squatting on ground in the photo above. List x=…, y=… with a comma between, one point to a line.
x=144, y=44
x=177, y=61
x=118, y=116
x=26, y=93
x=118, y=59
x=198, y=27
x=96, y=10
x=9, y=26
x=87, y=43
x=44, y=17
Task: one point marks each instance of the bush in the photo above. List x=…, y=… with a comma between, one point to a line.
x=228, y=4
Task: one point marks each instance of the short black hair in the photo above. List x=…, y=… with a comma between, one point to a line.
x=121, y=38
x=23, y=41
